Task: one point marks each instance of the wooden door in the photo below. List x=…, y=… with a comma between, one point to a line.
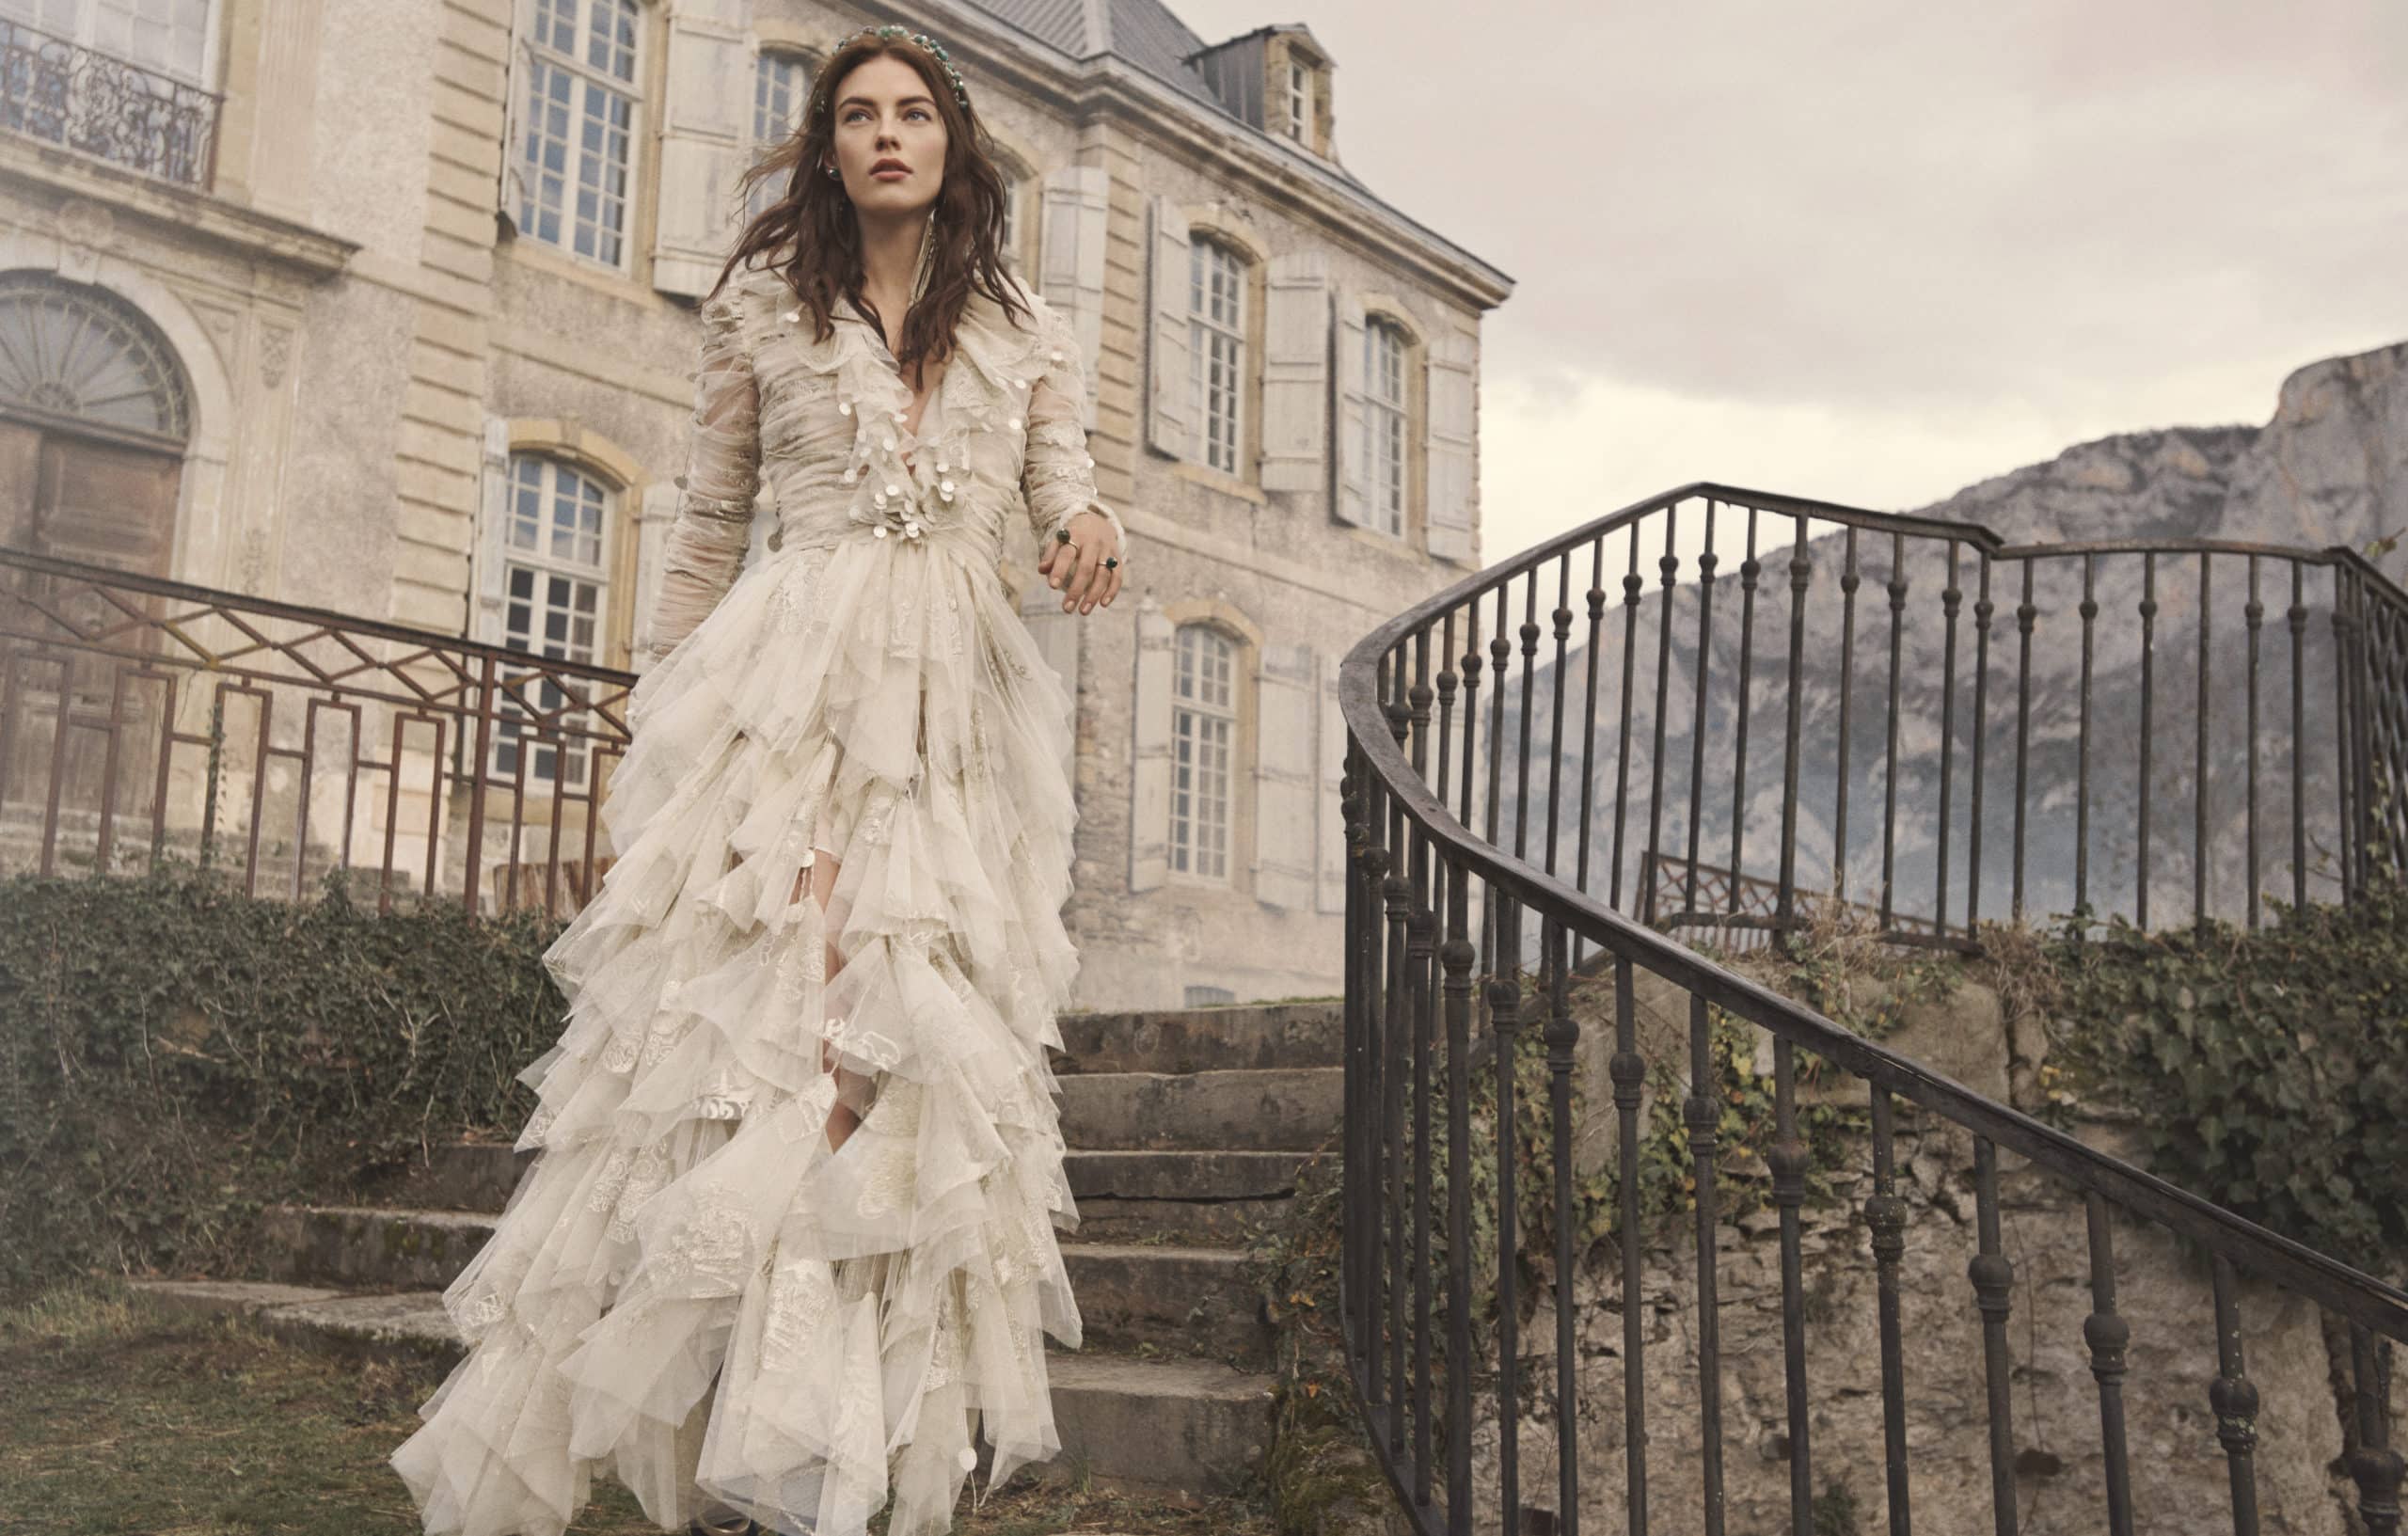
x=106, y=504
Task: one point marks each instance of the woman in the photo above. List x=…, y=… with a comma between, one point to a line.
x=790, y=1240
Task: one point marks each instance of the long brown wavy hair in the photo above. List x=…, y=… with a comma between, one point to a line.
x=812, y=236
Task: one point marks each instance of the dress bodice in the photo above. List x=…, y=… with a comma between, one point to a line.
x=819, y=424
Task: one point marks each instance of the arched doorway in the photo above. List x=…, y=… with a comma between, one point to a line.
x=95, y=411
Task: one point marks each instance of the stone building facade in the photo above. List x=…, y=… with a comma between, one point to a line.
x=386, y=307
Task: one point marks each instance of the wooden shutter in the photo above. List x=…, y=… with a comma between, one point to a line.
x=655, y=515
x=1056, y=634
x=1285, y=776
x=1295, y=373
x=1330, y=850
x=510, y=193
x=1070, y=275
x=706, y=116
x=493, y=519
x=1149, y=759
x=1349, y=497
x=1170, y=411
x=1454, y=466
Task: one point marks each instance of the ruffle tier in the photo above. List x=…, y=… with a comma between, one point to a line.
x=687, y=1287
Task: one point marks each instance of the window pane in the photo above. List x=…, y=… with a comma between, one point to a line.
x=581, y=127
x=1203, y=727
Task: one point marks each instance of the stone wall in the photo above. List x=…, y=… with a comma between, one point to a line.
x=2163, y=1291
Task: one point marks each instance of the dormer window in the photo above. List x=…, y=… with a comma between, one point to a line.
x=1300, y=99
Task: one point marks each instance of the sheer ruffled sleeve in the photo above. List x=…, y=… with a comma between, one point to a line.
x=707, y=542
x=1057, y=474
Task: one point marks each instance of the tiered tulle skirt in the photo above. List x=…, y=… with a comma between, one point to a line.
x=688, y=1289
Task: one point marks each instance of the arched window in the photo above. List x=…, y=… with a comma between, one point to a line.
x=780, y=88
x=83, y=359
x=1204, y=725
x=1383, y=421
x=555, y=586
x=578, y=143
x=1216, y=348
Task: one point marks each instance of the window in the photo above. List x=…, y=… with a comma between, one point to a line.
x=1203, y=729
x=120, y=80
x=555, y=593
x=579, y=142
x=781, y=86
x=1013, y=185
x=1383, y=409
x=1216, y=347
x=78, y=358
x=168, y=36
x=1299, y=102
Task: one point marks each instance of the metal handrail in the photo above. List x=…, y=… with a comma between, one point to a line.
x=1411, y=956
x=423, y=763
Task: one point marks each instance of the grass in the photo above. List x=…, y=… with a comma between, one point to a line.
x=118, y=1415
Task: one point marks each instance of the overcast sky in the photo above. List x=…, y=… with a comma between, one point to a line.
x=1874, y=250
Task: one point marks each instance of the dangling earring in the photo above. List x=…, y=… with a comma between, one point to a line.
x=832, y=170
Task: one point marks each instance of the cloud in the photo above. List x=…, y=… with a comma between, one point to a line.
x=2052, y=211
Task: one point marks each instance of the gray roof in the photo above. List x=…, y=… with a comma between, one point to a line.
x=1141, y=32
x=1145, y=35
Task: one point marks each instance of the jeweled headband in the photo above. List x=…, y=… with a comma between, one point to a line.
x=934, y=48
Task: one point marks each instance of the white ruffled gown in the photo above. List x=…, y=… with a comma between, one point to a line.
x=688, y=1289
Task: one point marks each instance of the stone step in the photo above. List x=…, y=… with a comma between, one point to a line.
x=479, y=1176
x=1262, y=1109
x=1181, y=1300
x=1189, y=1424
x=1209, y=1197
x=1242, y=1036
x=1183, y=1176
x=1184, y=1300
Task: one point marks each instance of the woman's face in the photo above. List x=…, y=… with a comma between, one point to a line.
x=885, y=119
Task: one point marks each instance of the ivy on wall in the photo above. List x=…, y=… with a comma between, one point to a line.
x=2269, y=1066
x=174, y=1055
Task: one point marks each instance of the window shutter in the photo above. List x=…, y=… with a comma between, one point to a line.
x=655, y=515
x=1150, y=760
x=1350, y=500
x=1296, y=365
x=1285, y=777
x=1329, y=860
x=1453, y=479
x=706, y=116
x=1070, y=275
x=1057, y=635
x=510, y=195
x=493, y=518
x=1170, y=412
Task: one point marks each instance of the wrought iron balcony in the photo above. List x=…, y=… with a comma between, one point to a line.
x=66, y=94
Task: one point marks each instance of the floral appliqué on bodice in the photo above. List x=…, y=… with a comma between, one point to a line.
x=821, y=425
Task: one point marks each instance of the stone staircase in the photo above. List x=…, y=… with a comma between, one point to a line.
x=1180, y=1126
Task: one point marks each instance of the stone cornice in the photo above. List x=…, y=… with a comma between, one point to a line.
x=164, y=210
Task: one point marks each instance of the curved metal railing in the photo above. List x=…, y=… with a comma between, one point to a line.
x=2152, y=728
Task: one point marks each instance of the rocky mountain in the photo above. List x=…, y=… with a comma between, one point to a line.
x=2330, y=468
